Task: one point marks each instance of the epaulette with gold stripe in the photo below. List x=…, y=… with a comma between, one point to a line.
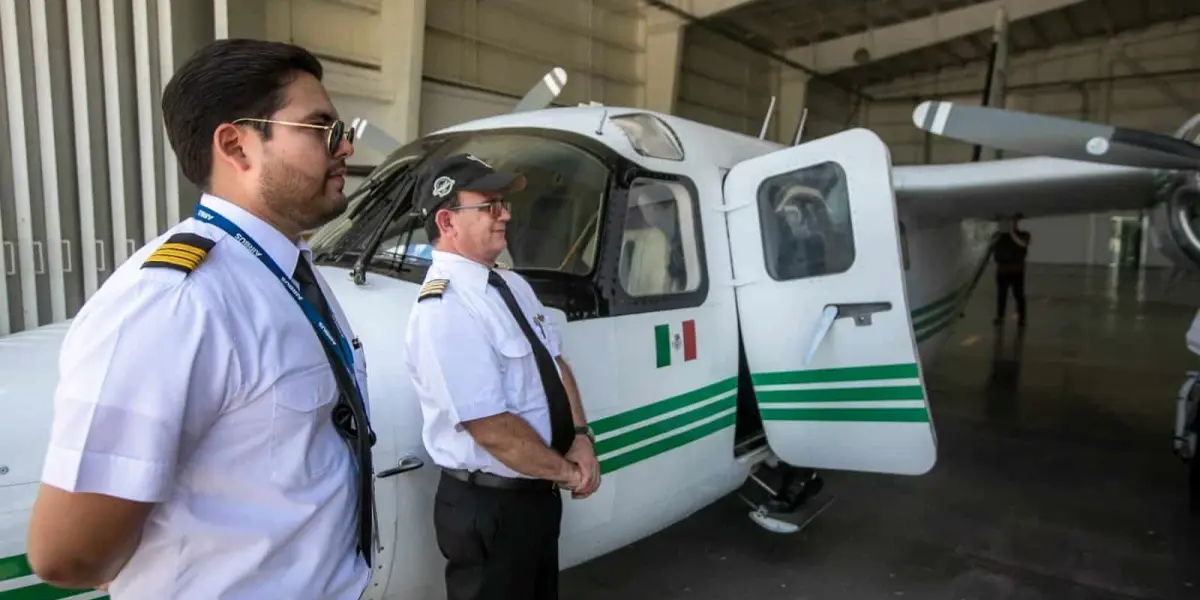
x=433, y=289
x=182, y=252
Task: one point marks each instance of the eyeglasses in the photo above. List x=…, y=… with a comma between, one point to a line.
x=494, y=207
x=337, y=131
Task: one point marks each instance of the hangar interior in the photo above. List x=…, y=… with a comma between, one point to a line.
x=89, y=177
x=414, y=66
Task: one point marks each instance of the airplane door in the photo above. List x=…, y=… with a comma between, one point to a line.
x=819, y=284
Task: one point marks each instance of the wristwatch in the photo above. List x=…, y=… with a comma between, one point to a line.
x=586, y=430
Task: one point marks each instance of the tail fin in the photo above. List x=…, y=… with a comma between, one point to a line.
x=543, y=93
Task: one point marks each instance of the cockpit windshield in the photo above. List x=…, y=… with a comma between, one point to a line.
x=555, y=219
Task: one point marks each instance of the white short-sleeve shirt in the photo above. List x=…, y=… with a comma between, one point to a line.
x=209, y=394
x=468, y=359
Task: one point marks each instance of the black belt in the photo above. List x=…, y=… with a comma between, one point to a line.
x=496, y=481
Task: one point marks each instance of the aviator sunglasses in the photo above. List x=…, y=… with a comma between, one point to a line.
x=335, y=132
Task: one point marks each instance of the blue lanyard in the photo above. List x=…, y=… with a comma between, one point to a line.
x=340, y=346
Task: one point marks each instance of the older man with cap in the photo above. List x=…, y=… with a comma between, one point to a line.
x=502, y=415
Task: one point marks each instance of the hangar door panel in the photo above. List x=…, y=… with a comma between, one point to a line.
x=446, y=105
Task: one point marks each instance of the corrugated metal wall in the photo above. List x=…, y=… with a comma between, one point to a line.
x=506, y=46
x=831, y=109
x=1101, y=81
x=723, y=83
x=345, y=34
x=1104, y=81
x=88, y=171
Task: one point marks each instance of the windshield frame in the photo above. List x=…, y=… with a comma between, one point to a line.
x=569, y=287
x=595, y=294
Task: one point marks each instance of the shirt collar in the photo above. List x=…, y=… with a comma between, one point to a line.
x=271, y=240
x=463, y=269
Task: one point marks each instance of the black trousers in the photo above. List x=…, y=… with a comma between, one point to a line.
x=1016, y=281
x=499, y=544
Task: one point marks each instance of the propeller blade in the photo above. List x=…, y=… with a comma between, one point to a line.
x=544, y=92
x=1055, y=136
x=373, y=137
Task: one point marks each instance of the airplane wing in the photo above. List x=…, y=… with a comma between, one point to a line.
x=1034, y=186
x=1071, y=166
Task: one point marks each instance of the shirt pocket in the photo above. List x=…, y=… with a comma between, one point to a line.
x=304, y=443
x=519, y=368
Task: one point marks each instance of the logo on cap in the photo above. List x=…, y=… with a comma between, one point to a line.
x=442, y=186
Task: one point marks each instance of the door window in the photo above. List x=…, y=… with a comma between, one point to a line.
x=805, y=220
x=659, y=250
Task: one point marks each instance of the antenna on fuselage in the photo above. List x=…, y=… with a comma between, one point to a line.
x=767, y=120
x=543, y=93
x=800, y=126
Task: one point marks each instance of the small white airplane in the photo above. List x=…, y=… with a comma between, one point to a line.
x=734, y=309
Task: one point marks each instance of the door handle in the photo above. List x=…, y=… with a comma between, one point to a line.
x=860, y=311
x=10, y=265
x=406, y=464
x=38, y=254
x=102, y=264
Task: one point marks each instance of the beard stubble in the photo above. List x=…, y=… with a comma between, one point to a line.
x=300, y=198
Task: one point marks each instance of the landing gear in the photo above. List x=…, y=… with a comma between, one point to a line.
x=785, y=506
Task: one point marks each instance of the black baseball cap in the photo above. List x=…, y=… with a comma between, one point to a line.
x=462, y=172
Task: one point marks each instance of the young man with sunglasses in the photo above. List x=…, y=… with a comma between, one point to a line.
x=502, y=415
x=210, y=434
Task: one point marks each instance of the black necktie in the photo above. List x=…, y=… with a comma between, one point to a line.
x=350, y=415
x=562, y=425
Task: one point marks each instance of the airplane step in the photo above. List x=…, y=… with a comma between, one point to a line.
x=789, y=504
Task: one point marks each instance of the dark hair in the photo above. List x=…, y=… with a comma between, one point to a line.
x=431, y=228
x=223, y=81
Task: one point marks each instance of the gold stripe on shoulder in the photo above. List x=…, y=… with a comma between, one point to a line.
x=181, y=252
x=434, y=288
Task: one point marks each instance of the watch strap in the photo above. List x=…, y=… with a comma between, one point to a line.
x=585, y=430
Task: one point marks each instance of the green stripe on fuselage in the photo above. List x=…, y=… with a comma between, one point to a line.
x=643, y=413
x=850, y=415
x=13, y=567
x=853, y=394
x=608, y=465
x=16, y=567
x=868, y=373
x=41, y=591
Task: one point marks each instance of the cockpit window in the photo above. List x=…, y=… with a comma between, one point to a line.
x=555, y=219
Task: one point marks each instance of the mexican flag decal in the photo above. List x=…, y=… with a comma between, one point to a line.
x=675, y=342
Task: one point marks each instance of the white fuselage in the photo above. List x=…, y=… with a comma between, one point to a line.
x=653, y=476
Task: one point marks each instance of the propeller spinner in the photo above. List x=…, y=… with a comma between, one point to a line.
x=1055, y=136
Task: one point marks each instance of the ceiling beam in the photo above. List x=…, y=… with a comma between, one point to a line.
x=702, y=9
x=884, y=42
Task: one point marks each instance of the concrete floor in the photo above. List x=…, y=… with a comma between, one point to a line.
x=1055, y=478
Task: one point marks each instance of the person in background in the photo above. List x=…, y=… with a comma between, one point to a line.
x=207, y=441
x=1010, y=246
